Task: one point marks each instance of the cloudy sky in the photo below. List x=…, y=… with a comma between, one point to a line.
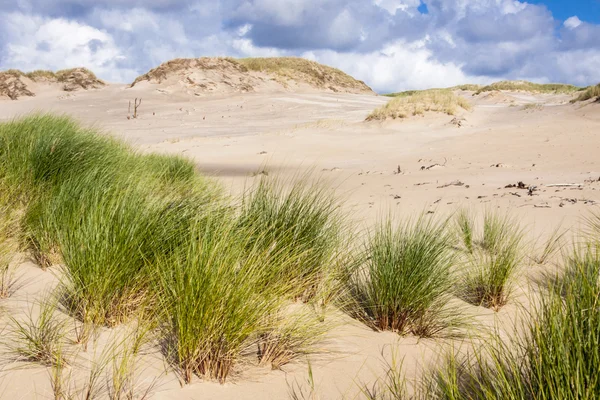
x=390, y=44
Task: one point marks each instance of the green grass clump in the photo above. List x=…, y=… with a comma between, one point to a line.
x=301, y=225
x=589, y=93
x=404, y=281
x=169, y=168
x=40, y=151
x=556, y=358
x=524, y=86
x=418, y=102
x=491, y=260
x=215, y=298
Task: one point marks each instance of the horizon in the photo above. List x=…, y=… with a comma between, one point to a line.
x=391, y=45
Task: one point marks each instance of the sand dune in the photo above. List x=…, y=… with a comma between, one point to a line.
x=257, y=122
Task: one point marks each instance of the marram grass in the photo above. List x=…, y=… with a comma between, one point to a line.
x=404, y=281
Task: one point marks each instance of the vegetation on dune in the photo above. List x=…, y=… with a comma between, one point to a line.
x=301, y=226
x=418, y=102
x=490, y=259
x=145, y=238
x=524, y=86
x=300, y=69
x=556, y=358
x=466, y=87
x=403, y=280
x=592, y=92
x=284, y=68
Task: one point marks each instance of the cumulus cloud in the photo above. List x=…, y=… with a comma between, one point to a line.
x=390, y=44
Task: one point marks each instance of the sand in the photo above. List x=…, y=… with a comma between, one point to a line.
x=427, y=163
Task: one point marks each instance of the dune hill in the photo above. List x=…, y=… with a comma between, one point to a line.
x=15, y=83
x=207, y=75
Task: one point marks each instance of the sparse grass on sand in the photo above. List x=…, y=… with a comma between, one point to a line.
x=592, y=92
x=146, y=239
x=418, y=103
x=490, y=260
x=555, y=358
x=300, y=69
x=525, y=86
x=403, y=280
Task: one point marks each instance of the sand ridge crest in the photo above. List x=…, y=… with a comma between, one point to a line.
x=15, y=83
x=217, y=75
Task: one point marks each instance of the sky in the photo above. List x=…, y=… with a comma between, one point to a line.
x=392, y=45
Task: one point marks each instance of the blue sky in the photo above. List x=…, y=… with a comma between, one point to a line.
x=588, y=10
x=390, y=44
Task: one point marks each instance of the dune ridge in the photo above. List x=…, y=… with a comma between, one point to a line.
x=207, y=75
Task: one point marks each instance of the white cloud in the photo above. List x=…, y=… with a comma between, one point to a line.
x=398, y=66
x=572, y=22
x=386, y=43
x=44, y=43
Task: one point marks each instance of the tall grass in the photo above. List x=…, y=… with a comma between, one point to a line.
x=404, y=281
x=9, y=232
x=301, y=225
x=39, y=151
x=215, y=297
x=556, y=358
x=589, y=93
x=418, y=102
x=490, y=260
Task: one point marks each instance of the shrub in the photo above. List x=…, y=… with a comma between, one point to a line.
x=404, y=281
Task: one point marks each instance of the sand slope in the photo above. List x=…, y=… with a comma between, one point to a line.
x=202, y=76
x=423, y=163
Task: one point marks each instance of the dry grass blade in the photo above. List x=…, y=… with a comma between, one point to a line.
x=294, y=334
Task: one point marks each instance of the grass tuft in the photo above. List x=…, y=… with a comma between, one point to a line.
x=592, y=92
x=491, y=260
x=418, y=102
x=404, y=281
x=301, y=225
x=40, y=339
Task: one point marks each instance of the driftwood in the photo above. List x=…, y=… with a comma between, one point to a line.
x=565, y=185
